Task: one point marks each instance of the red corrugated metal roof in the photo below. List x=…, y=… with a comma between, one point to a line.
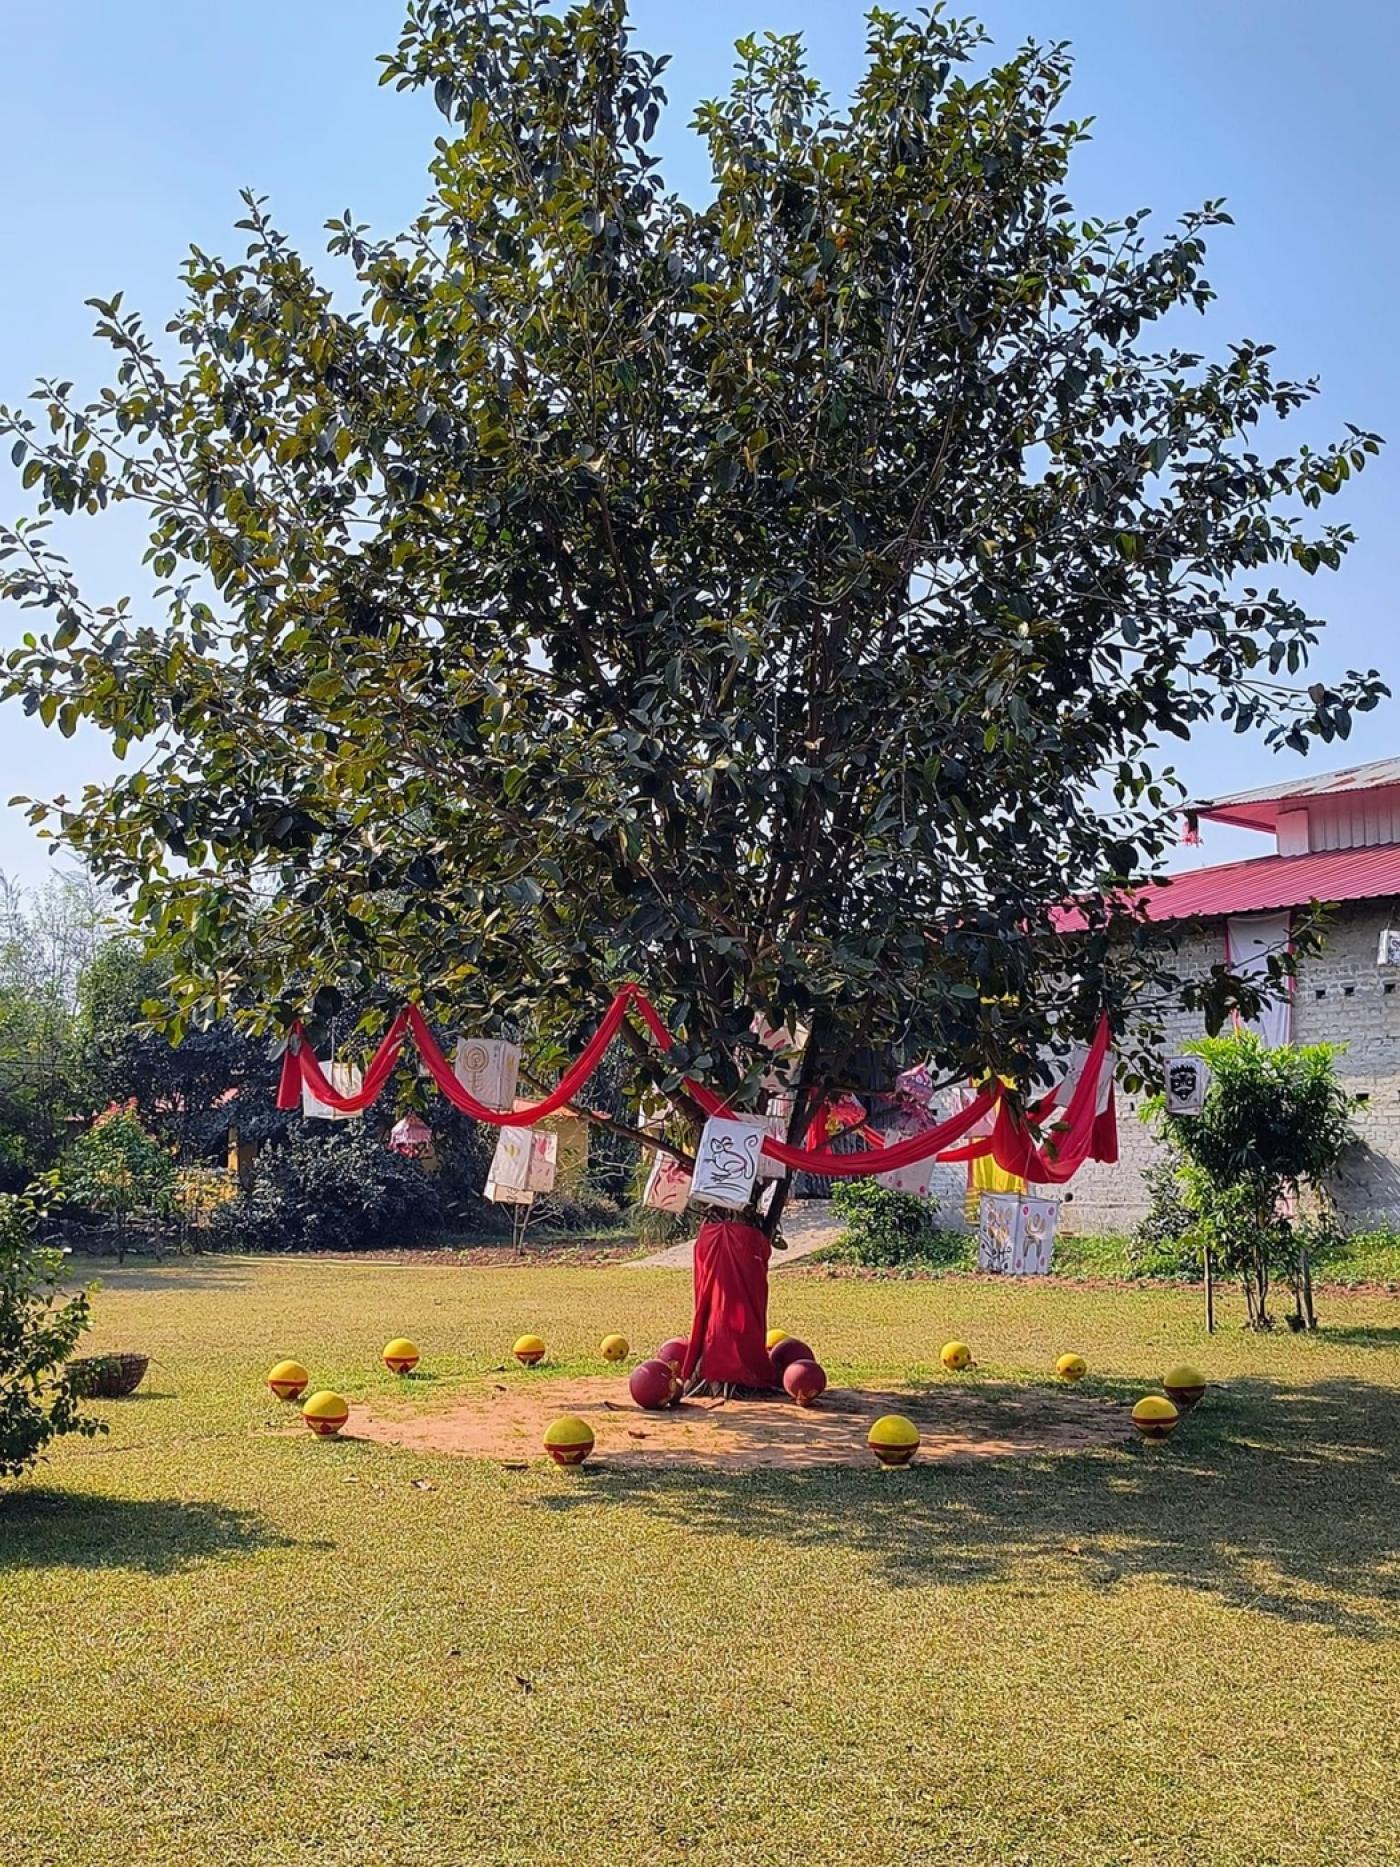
x=1260, y=809
x=1268, y=882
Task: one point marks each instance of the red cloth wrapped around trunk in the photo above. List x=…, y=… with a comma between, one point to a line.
x=729, y=1332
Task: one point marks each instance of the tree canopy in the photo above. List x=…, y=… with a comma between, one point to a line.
x=781, y=598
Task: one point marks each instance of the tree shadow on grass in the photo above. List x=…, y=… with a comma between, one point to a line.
x=1362, y=1335
x=150, y=1276
x=1282, y=1500
x=42, y=1528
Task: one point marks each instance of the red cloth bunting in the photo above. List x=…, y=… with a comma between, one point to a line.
x=300, y=1065
x=1082, y=1133
x=567, y=1088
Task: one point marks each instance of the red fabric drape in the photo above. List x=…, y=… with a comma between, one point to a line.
x=728, y=1332
x=305, y=1068
x=568, y=1086
x=1079, y=1135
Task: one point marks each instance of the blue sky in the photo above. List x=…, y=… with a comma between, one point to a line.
x=131, y=127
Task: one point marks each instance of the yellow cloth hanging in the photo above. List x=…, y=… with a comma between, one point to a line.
x=984, y=1176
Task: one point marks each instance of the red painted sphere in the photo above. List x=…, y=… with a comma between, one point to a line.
x=653, y=1385
x=805, y=1381
x=674, y=1352
x=788, y=1351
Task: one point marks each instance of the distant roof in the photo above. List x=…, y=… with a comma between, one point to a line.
x=1267, y=882
x=1259, y=810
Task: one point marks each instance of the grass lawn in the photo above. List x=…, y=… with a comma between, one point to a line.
x=224, y=1642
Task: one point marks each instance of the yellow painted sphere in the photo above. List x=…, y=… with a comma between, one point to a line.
x=1071, y=1367
x=615, y=1348
x=529, y=1349
x=400, y=1356
x=775, y=1336
x=955, y=1355
x=1184, y=1384
x=893, y=1439
x=325, y=1413
x=568, y=1441
x=288, y=1380
x=1155, y=1417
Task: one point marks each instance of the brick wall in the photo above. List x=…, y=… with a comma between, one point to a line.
x=1341, y=998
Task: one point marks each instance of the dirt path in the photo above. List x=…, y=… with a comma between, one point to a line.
x=810, y=1226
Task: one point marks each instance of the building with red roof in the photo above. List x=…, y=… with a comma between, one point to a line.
x=1335, y=843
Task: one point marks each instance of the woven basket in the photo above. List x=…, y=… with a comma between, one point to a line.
x=107, y=1377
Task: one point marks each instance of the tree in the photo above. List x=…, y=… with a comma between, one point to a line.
x=189, y=1094
x=47, y=936
x=39, y=1329
x=779, y=599
x=118, y=1170
x=1274, y=1126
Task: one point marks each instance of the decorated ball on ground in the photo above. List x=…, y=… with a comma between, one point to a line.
x=805, y=1381
x=1184, y=1385
x=789, y=1350
x=528, y=1350
x=653, y=1385
x=673, y=1352
x=1071, y=1367
x=568, y=1441
x=400, y=1356
x=1155, y=1417
x=288, y=1380
x=893, y=1439
x=774, y=1337
x=955, y=1356
x=614, y=1348
x=325, y=1413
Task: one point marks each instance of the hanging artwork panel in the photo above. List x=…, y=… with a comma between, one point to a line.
x=1035, y=1237
x=914, y=1180
x=345, y=1079
x=489, y=1068
x=1016, y=1234
x=507, y=1195
x=996, y=1231
x=726, y=1162
x=668, y=1185
x=571, y=1156
x=1187, y=1082
x=785, y=1047
x=524, y=1162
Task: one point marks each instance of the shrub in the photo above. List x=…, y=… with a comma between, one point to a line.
x=39, y=1329
x=119, y=1172
x=1164, y=1243
x=1274, y=1125
x=587, y=1210
x=343, y=1191
x=884, y=1228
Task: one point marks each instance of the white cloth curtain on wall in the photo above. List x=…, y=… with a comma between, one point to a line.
x=1250, y=939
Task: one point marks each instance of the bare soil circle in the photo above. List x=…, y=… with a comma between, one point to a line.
x=506, y=1423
